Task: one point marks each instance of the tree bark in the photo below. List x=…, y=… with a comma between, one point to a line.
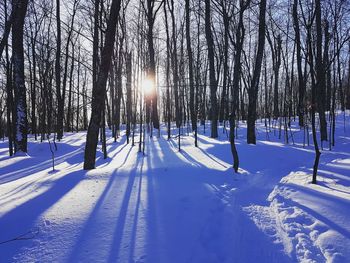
x=320, y=73
x=253, y=89
x=59, y=128
x=190, y=68
x=235, y=85
x=18, y=75
x=301, y=106
x=128, y=94
x=99, y=93
x=152, y=104
x=212, y=78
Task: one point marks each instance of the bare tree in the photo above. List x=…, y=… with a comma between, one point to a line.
x=212, y=77
x=151, y=9
x=18, y=75
x=99, y=91
x=254, y=86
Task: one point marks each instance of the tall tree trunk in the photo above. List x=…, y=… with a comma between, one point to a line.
x=301, y=106
x=152, y=104
x=9, y=90
x=190, y=68
x=328, y=81
x=167, y=75
x=235, y=85
x=313, y=103
x=59, y=124
x=253, y=89
x=128, y=94
x=61, y=97
x=18, y=75
x=212, y=78
x=99, y=93
x=33, y=38
x=175, y=68
x=69, y=124
x=225, y=76
x=320, y=73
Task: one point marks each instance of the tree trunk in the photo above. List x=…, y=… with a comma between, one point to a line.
x=59, y=124
x=299, y=58
x=128, y=94
x=167, y=74
x=235, y=85
x=225, y=76
x=9, y=99
x=18, y=75
x=152, y=106
x=253, y=89
x=320, y=73
x=99, y=93
x=190, y=68
x=212, y=78
x=61, y=97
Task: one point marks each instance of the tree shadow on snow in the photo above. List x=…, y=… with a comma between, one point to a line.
x=23, y=218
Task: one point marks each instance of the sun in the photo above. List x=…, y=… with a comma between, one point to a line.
x=147, y=86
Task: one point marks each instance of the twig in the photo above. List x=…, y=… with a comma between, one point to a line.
x=26, y=236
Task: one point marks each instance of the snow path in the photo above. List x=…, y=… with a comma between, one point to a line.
x=166, y=206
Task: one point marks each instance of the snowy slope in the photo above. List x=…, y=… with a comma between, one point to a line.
x=170, y=206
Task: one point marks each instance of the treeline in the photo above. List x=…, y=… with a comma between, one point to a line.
x=70, y=65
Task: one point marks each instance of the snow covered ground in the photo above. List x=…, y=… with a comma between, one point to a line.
x=170, y=206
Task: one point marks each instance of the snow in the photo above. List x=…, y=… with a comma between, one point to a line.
x=171, y=206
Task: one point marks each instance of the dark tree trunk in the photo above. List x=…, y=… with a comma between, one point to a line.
x=175, y=69
x=69, y=124
x=61, y=97
x=167, y=75
x=301, y=106
x=59, y=128
x=18, y=75
x=235, y=85
x=276, y=48
x=128, y=94
x=190, y=68
x=151, y=104
x=328, y=70
x=253, y=89
x=33, y=77
x=9, y=99
x=99, y=93
x=320, y=73
x=225, y=76
x=313, y=103
x=212, y=78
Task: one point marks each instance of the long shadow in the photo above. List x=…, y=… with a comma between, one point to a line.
x=166, y=172
x=22, y=218
x=152, y=235
x=136, y=216
x=121, y=221
x=35, y=164
x=213, y=159
x=120, y=145
x=164, y=236
x=184, y=154
x=87, y=233
x=18, y=193
x=203, y=141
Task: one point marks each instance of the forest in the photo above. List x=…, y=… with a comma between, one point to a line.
x=248, y=98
